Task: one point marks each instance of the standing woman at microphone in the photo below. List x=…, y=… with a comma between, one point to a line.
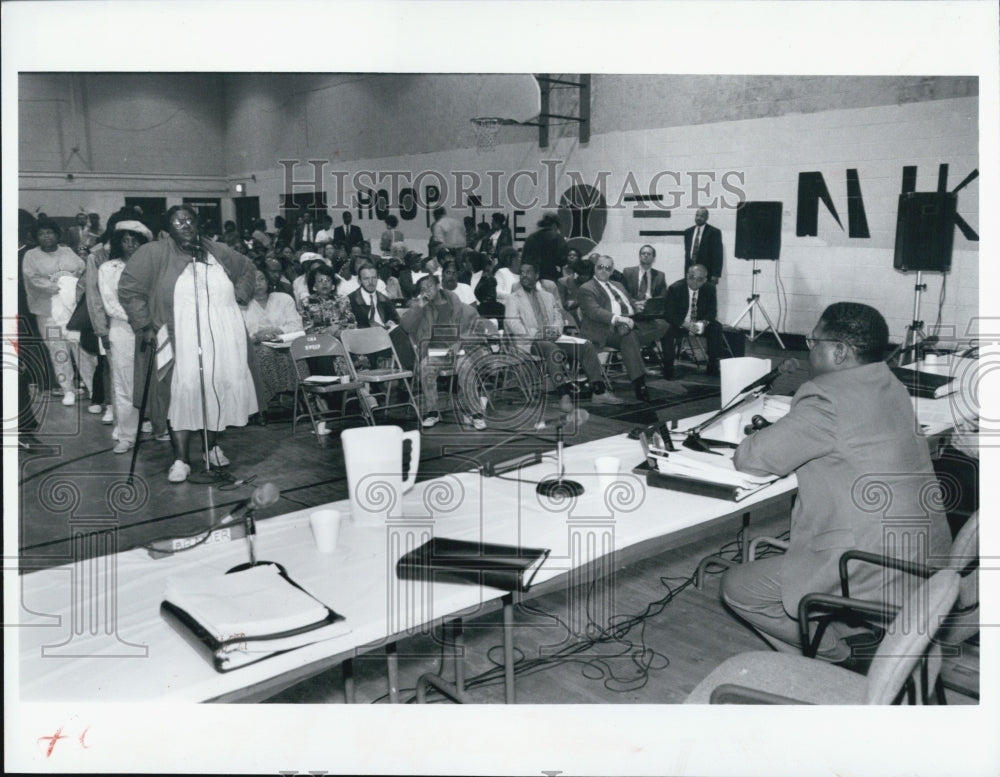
x=193, y=287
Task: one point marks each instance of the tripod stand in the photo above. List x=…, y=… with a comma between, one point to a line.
x=753, y=306
x=915, y=331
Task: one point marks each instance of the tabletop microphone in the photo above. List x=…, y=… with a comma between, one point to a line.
x=239, y=523
x=264, y=495
x=785, y=367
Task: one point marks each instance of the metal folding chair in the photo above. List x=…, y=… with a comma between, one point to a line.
x=312, y=386
x=370, y=342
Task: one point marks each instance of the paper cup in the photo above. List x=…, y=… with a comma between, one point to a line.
x=325, y=528
x=731, y=428
x=607, y=468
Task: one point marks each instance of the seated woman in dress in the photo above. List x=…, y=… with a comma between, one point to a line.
x=269, y=315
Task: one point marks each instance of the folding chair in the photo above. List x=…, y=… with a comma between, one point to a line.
x=611, y=363
x=311, y=387
x=371, y=341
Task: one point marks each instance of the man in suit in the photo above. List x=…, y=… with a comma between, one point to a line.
x=348, y=234
x=643, y=282
x=606, y=319
x=703, y=245
x=534, y=322
x=373, y=308
x=850, y=434
x=305, y=230
x=699, y=318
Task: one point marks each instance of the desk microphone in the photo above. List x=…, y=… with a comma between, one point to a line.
x=238, y=524
x=788, y=365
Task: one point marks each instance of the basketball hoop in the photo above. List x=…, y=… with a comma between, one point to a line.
x=487, y=129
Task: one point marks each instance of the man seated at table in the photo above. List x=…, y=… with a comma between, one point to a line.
x=691, y=308
x=851, y=439
x=605, y=315
x=439, y=321
x=534, y=322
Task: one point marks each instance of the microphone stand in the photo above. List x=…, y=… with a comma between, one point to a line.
x=559, y=487
x=694, y=440
x=209, y=476
x=250, y=524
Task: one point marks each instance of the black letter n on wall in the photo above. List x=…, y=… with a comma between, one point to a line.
x=812, y=189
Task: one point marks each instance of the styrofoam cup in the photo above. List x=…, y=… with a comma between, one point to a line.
x=325, y=525
x=607, y=468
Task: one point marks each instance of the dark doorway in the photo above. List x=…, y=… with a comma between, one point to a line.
x=152, y=208
x=247, y=212
x=209, y=213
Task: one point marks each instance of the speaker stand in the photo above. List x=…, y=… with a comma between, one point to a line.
x=915, y=331
x=754, y=306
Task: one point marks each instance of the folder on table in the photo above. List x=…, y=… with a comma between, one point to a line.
x=440, y=559
x=247, y=616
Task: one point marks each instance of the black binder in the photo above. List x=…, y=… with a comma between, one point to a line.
x=921, y=384
x=507, y=567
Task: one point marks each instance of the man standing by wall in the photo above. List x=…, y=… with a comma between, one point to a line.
x=703, y=245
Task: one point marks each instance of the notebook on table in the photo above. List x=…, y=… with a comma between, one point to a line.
x=440, y=559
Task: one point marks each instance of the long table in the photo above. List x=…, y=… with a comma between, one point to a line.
x=92, y=630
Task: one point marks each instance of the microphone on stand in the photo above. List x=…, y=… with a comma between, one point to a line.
x=561, y=487
x=262, y=496
x=785, y=367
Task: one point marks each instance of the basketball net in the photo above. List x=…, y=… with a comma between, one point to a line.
x=487, y=130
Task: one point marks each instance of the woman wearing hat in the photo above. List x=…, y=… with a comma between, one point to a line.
x=126, y=238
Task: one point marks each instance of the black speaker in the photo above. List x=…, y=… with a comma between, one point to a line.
x=758, y=230
x=925, y=231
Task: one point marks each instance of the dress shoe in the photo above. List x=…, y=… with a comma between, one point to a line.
x=642, y=394
x=607, y=398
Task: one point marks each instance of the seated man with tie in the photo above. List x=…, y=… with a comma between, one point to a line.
x=606, y=319
x=373, y=308
x=692, y=307
x=643, y=282
x=535, y=323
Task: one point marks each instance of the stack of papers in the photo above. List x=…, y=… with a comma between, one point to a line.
x=705, y=473
x=248, y=615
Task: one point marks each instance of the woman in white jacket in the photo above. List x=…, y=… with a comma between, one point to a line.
x=127, y=237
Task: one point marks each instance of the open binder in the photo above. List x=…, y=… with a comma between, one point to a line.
x=440, y=559
x=247, y=616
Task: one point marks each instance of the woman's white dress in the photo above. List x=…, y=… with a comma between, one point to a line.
x=229, y=389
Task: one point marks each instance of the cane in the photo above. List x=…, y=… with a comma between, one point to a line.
x=142, y=410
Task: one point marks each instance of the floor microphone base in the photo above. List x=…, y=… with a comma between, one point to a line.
x=559, y=488
x=209, y=478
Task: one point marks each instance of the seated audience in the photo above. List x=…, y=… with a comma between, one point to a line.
x=500, y=235
x=642, y=281
x=390, y=236
x=534, y=323
x=692, y=307
x=326, y=310
x=606, y=320
x=506, y=273
x=850, y=424
x=269, y=315
x=439, y=320
x=449, y=281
